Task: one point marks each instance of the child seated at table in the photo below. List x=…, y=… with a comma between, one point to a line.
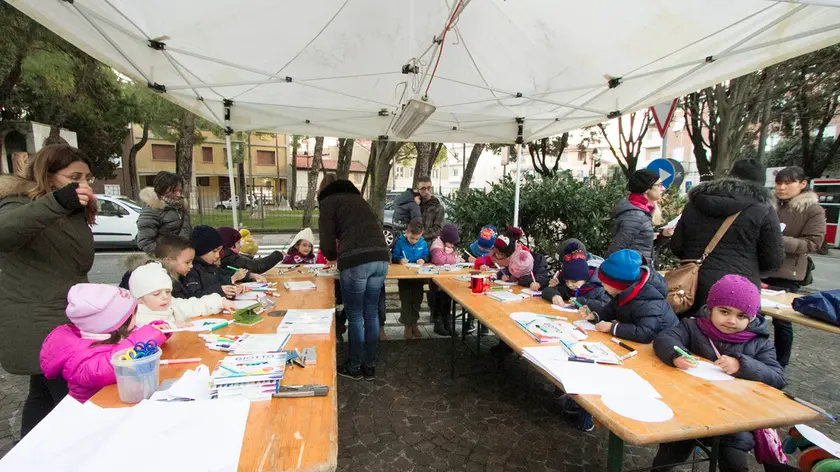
x=527, y=269
x=206, y=275
x=302, y=250
x=728, y=332
x=177, y=255
x=151, y=285
x=580, y=282
x=231, y=255
x=481, y=247
x=637, y=311
x=102, y=322
x=502, y=249
x=411, y=248
x=444, y=251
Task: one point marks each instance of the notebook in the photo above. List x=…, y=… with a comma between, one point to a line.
x=300, y=285
x=428, y=270
x=260, y=343
x=505, y=296
x=256, y=368
x=546, y=330
x=307, y=321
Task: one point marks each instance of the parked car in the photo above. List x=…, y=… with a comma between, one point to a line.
x=228, y=204
x=116, y=222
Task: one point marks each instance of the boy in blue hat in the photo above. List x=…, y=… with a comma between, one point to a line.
x=482, y=246
x=579, y=281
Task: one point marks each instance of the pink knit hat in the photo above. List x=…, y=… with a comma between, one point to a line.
x=521, y=263
x=737, y=292
x=99, y=308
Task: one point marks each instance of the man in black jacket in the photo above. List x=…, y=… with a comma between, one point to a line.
x=752, y=245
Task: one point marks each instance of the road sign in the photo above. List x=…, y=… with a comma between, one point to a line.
x=662, y=115
x=670, y=171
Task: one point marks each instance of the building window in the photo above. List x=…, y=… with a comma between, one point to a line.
x=206, y=154
x=163, y=152
x=202, y=181
x=411, y=172
x=359, y=177
x=455, y=172
x=436, y=173
x=582, y=156
x=400, y=172
x=150, y=180
x=265, y=158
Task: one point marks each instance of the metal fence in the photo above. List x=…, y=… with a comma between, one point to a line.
x=264, y=209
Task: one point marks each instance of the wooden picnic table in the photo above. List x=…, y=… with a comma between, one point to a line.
x=789, y=314
x=395, y=272
x=281, y=434
x=701, y=408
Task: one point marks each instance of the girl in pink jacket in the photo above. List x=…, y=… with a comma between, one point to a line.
x=443, y=248
x=103, y=323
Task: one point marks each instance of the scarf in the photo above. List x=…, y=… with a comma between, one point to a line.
x=712, y=332
x=640, y=201
x=295, y=257
x=96, y=336
x=177, y=203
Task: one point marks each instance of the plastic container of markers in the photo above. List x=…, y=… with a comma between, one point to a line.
x=137, y=379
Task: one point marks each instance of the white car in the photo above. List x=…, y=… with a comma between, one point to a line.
x=228, y=204
x=116, y=222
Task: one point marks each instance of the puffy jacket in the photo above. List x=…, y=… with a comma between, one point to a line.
x=404, y=250
x=86, y=368
x=405, y=208
x=181, y=309
x=44, y=250
x=257, y=265
x=295, y=257
x=804, y=233
x=349, y=230
x=632, y=229
x=540, y=271
x=159, y=218
x=757, y=358
x=640, y=312
x=204, y=279
x=591, y=294
x=439, y=255
x=752, y=246
x=433, y=218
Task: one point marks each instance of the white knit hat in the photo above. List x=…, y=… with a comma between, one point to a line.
x=149, y=278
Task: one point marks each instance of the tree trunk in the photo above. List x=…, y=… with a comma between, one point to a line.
x=11, y=79
x=369, y=169
x=386, y=152
x=477, y=149
x=293, y=192
x=240, y=185
x=184, y=150
x=312, y=181
x=345, y=158
x=423, y=162
x=132, y=161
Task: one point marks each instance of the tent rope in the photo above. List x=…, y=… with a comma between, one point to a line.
x=442, y=42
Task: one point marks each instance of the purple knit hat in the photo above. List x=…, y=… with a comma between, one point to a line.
x=449, y=234
x=735, y=291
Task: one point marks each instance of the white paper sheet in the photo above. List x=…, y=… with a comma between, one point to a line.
x=639, y=408
x=533, y=293
x=771, y=293
x=413, y=265
x=240, y=304
x=673, y=223
x=567, y=308
x=819, y=439
x=260, y=343
x=585, y=324
x=307, y=321
x=247, y=296
x=193, y=385
x=502, y=282
x=708, y=371
x=765, y=303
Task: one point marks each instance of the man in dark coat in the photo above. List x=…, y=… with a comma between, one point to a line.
x=431, y=210
x=752, y=246
x=406, y=208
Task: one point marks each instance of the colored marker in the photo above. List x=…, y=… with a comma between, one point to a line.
x=811, y=406
x=625, y=346
x=232, y=268
x=180, y=361
x=497, y=287
x=554, y=317
x=219, y=326
x=581, y=359
x=629, y=355
x=688, y=356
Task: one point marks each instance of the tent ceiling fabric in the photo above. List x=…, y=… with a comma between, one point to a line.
x=329, y=67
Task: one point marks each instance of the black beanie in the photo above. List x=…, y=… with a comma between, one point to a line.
x=749, y=169
x=205, y=239
x=642, y=180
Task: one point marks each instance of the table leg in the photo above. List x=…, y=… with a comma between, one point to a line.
x=454, y=336
x=615, y=455
x=477, y=339
x=463, y=325
x=713, y=454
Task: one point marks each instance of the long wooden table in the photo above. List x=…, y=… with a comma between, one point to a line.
x=281, y=434
x=701, y=408
x=789, y=314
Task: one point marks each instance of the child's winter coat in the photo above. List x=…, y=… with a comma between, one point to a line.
x=181, y=309
x=591, y=294
x=404, y=250
x=756, y=356
x=405, y=208
x=640, y=312
x=439, y=254
x=86, y=368
x=204, y=279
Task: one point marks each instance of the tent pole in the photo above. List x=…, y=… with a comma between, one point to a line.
x=520, y=141
x=229, y=152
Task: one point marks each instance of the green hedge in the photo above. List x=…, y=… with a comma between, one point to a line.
x=551, y=209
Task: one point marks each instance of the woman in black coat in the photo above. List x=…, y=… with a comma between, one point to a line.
x=633, y=228
x=753, y=244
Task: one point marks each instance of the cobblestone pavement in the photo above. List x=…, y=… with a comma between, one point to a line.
x=414, y=418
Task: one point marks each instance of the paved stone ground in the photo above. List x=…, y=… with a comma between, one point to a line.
x=414, y=418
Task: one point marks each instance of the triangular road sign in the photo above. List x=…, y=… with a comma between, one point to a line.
x=662, y=115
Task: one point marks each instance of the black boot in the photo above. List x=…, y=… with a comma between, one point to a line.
x=441, y=316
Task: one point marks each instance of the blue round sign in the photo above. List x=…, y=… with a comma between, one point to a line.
x=670, y=171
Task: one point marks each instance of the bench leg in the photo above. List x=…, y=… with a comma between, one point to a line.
x=713, y=454
x=615, y=455
x=454, y=336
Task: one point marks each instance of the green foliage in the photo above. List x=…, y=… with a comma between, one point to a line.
x=551, y=209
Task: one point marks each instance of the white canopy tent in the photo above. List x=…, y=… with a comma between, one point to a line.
x=344, y=68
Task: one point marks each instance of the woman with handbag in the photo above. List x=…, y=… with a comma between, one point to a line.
x=804, y=231
x=750, y=246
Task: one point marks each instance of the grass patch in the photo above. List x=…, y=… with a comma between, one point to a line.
x=271, y=220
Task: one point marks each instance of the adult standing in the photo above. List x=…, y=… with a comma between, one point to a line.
x=165, y=211
x=751, y=246
x=46, y=247
x=431, y=210
x=351, y=234
x=633, y=228
x=803, y=218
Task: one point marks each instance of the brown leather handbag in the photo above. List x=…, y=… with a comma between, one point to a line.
x=682, y=281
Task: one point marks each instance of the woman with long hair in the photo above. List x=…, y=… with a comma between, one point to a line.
x=46, y=247
x=166, y=212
